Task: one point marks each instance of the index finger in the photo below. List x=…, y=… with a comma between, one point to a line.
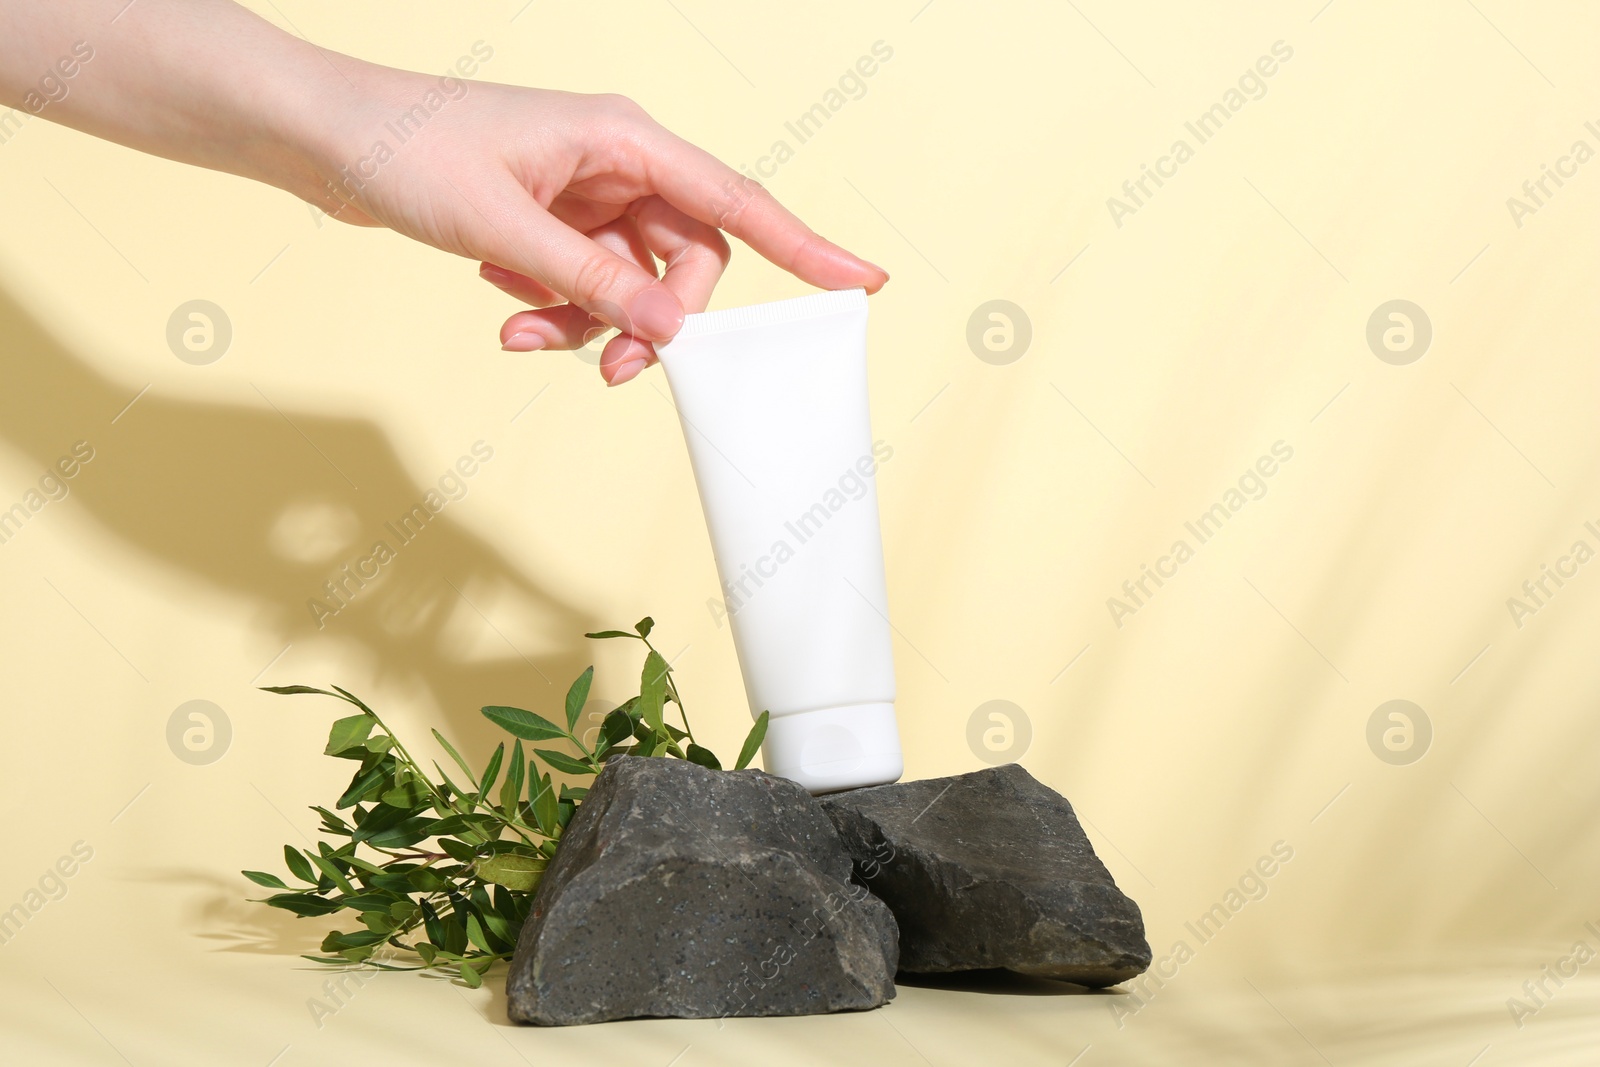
x=704, y=188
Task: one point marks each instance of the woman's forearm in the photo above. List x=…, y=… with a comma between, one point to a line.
x=200, y=81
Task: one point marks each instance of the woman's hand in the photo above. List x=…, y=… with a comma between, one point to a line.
x=568, y=201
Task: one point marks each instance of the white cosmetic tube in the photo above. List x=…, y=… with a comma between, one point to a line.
x=773, y=401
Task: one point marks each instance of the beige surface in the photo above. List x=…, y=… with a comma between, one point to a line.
x=1228, y=713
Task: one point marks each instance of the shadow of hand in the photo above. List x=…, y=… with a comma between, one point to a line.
x=285, y=510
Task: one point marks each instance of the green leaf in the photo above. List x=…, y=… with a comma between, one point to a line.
x=427, y=952
x=752, y=741
x=425, y=880
x=374, y=820
x=448, y=747
x=563, y=762
x=704, y=757
x=502, y=934
x=379, y=743
x=271, y=881
x=365, y=781
x=616, y=728
x=646, y=745
x=380, y=965
x=352, y=698
x=362, y=865
x=576, y=794
x=514, y=907
x=544, y=801
x=601, y=635
x=331, y=822
x=328, y=868
x=378, y=921
x=576, y=696
x=471, y=975
x=391, y=883
x=347, y=733
x=511, y=788
x=464, y=800
x=298, y=865
x=455, y=927
x=653, y=690
x=407, y=833
x=456, y=825
x=338, y=940
x=458, y=850
x=302, y=904
x=492, y=772
x=431, y=923
x=512, y=871
x=644, y=626
x=293, y=690
x=407, y=795
x=524, y=724
x=455, y=935
x=370, y=902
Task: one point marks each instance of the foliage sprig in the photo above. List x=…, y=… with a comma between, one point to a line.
x=442, y=874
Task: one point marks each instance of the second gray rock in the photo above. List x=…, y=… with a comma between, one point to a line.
x=991, y=870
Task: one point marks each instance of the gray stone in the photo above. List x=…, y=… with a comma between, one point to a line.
x=991, y=870
x=687, y=892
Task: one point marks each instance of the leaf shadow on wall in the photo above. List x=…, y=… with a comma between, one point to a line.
x=215, y=911
x=268, y=503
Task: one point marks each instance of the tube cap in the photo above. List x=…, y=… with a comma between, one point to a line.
x=829, y=749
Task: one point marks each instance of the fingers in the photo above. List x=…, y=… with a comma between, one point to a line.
x=559, y=328
x=625, y=355
x=518, y=285
x=704, y=188
x=606, y=284
x=624, y=358
x=695, y=252
x=569, y=326
x=695, y=255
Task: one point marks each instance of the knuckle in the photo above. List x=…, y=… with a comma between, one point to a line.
x=736, y=194
x=620, y=106
x=810, y=246
x=597, y=276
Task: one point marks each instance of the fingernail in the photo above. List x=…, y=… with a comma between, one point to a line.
x=526, y=341
x=627, y=372
x=877, y=268
x=496, y=276
x=656, y=314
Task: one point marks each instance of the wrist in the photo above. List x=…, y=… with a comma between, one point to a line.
x=311, y=128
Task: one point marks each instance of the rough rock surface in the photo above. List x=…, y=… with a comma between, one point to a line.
x=687, y=892
x=991, y=870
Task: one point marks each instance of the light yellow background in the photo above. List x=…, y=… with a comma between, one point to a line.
x=1167, y=354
